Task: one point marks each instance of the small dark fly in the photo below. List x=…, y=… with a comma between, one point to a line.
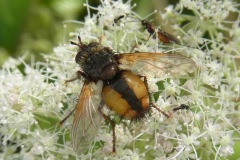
x=155, y=32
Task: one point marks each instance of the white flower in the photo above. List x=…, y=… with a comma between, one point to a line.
x=212, y=129
x=34, y=99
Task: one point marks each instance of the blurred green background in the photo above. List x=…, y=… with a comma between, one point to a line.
x=36, y=26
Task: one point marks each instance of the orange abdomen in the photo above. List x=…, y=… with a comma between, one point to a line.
x=127, y=95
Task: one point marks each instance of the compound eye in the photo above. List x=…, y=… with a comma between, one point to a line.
x=109, y=71
x=78, y=57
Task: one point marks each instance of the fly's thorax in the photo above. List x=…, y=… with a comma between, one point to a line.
x=148, y=26
x=97, y=62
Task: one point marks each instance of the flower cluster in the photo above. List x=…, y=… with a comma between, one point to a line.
x=34, y=98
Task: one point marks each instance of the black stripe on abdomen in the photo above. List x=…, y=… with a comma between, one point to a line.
x=120, y=85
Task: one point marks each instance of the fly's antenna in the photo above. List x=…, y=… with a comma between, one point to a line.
x=117, y=19
x=79, y=44
x=150, y=14
x=134, y=18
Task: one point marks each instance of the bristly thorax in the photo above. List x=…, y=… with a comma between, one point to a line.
x=96, y=61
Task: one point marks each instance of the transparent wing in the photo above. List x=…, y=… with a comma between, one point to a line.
x=167, y=37
x=156, y=64
x=87, y=118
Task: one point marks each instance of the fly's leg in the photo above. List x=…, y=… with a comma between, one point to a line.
x=69, y=114
x=106, y=117
x=152, y=104
x=159, y=110
x=79, y=74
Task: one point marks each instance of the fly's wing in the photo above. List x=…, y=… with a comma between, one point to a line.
x=87, y=118
x=155, y=65
x=167, y=37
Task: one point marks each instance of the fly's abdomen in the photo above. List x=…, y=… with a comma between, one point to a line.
x=127, y=95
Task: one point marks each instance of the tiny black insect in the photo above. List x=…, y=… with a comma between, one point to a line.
x=182, y=106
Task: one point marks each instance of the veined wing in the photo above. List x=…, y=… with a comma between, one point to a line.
x=87, y=118
x=156, y=64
